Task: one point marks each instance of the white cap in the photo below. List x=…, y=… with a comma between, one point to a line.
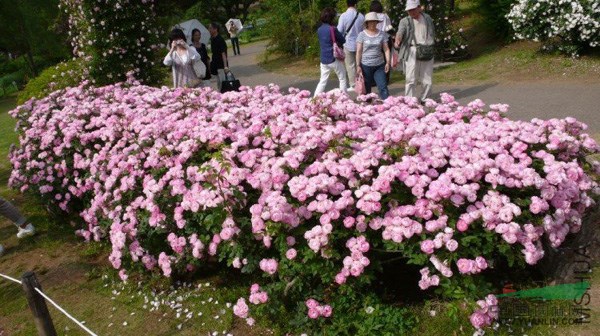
x=412, y=4
x=372, y=16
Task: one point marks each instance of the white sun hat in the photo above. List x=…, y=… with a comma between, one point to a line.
x=412, y=4
x=372, y=16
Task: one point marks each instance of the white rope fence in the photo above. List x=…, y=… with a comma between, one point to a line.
x=54, y=304
x=9, y=278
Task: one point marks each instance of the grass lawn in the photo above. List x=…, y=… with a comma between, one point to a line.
x=290, y=65
x=521, y=62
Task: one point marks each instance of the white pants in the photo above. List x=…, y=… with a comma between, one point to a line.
x=340, y=71
x=417, y=72
x=350, y=62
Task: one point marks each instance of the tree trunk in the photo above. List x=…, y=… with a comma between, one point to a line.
x=31, y=62
x=28, y=52
x=245, y=13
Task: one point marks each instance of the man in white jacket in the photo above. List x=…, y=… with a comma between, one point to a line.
x=350, y=24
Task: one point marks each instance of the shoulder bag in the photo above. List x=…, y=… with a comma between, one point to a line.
x=425, y=52
x=338, y=53
x=351, y=24
x=199, y=68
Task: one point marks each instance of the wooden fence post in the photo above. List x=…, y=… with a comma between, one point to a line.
x=37, y=305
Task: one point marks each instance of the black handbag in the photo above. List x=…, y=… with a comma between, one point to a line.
x=425, y=52
x=230, y=83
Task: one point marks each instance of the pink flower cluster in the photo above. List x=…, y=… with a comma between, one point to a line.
x=241, y=309
x=316, y=310
x=224, y=174
x=317, y=237
x=469, y=266
x=354, y=265
x=268, y=266
x=427, y=280
x=257, y=296
x=487, y=312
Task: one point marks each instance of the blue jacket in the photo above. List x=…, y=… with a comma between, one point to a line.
x=326, y=43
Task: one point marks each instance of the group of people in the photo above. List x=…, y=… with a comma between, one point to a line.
x=190, y=63
x=360, y=49
x=369, y=49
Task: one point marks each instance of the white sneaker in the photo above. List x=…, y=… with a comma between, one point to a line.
x=1, y=249
x=350, y=89
x=29, y=230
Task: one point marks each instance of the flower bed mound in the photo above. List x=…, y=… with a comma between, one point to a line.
x=312, y=194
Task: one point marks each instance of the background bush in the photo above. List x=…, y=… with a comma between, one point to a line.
x=292, y=25
x=103, y=36
x=569, y=26
x=60, y=76
x=494, y=17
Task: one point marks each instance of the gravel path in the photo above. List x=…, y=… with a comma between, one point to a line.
x=527, y=99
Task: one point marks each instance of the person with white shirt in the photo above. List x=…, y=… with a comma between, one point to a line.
x=350, y=24
x=385, y=26
x=373, y=55
x=181, y=58
x=415, y=29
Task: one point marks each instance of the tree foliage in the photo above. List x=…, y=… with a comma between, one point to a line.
x=116, y=37
x=494, y=15
x=220, y=10
x=293, y=24
x=26, y=29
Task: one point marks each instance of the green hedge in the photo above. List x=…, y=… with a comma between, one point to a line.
x=56, y=77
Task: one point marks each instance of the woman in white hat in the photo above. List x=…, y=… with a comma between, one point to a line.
x=373, y=55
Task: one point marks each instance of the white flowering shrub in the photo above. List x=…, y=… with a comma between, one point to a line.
x=574, y=24
x=115, y=37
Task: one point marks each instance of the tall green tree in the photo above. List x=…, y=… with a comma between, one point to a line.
x=220, y=10
x=293, y=24
x=26, y=29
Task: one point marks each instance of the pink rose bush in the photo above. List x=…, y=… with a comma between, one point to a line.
x=178, y=178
